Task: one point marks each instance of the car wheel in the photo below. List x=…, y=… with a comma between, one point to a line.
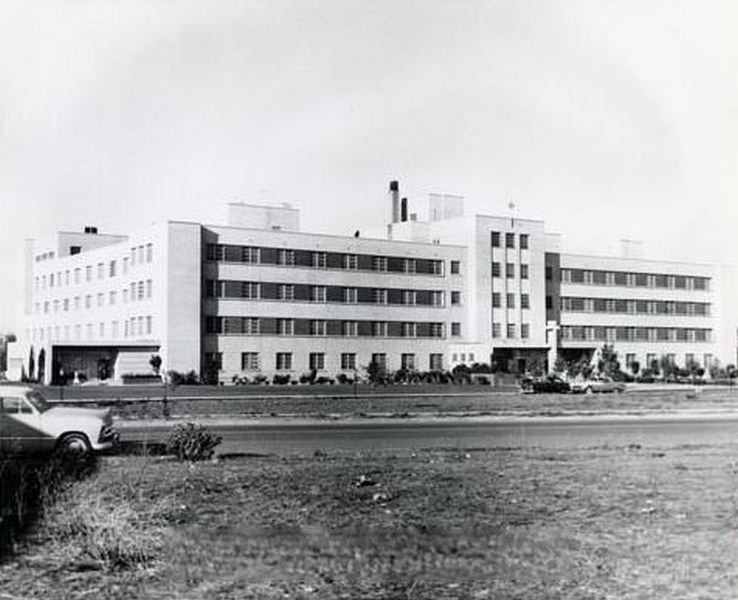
x=75, y=444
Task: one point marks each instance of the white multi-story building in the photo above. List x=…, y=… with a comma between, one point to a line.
x=432, y=289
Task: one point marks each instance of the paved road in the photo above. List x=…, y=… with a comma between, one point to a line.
x=403, y=436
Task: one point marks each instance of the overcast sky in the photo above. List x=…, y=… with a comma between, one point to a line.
x=606, y=119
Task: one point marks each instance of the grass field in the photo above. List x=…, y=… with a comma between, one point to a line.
x=322, y=401
x=595, y=522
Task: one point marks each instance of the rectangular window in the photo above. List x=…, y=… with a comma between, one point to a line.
x=379, y=296
x=349, y=328
x=88, y=273
x=149, y=324
x=379, y=263
x=435, y=362
x=524, y=241
x=285, y=326
x=523, y=271
x=318, y=293
x=285, y=291
x=380, y=360
x=351, y=262
x=524, y=301
x=140, y=290
x=524, y=330
x=436, y=298
x=100, y=270
x=495, y=269
x=100, y=300
x=149, y=252
x=319, y=260
x=455, y=267
x=496, y=330
x=496, y=300
x=351, y=295
x=317, y=361
x=409, y=297
x=511, y=331
x=286, y=257
x=411, y=265
x=495, y=239
x=348, y=361
x=408, y=329
x=88, y=302
x=455, y=297
x=407, y=362
x=510, y=270
x=249, y=361
x=509, y=240
x=379, y=329
x=511, y=300
x=284, y=361
x=455, y=329
x=317, y=327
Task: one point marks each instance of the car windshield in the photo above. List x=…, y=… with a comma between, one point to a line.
x=39, y=402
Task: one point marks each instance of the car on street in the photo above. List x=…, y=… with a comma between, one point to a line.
x=30, y=424
x=597, y=385
x=550, y=384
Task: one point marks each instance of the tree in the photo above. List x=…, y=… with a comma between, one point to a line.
x=155, y=362
x=376, y=373
x=31, y=365
x=635, y=367
x=608, y=362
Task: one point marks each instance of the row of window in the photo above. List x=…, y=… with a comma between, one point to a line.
x=635, y=334
x=510, y=300
x=511, y=331
x=510, y=270
x=327, y=327
x=136, y=291
x=496, y=238
x=622, y=278
x=640, y=307
x=261, y=290
x=284, y=361
x=690, y=359
x=136, y=326
x=325, y=260
x=75, y=277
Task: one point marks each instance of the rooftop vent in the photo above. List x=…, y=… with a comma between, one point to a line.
x=90, y=229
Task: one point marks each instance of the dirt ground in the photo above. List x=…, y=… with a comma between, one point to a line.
x=595, y=522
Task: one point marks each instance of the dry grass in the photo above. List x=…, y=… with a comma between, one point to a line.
x=600, y=522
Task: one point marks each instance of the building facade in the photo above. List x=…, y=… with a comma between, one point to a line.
x=432, y=289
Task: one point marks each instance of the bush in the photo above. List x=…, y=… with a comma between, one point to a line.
x=192, y=442
x=189, y=378
x=280, y=379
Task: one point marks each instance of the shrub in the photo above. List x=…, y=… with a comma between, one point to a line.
x=192, y=442
x=189, y=378
x=280, y=379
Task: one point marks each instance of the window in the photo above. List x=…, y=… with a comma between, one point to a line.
x=524, y=301
x=350, y=295
x=496, y=300
x=317, y=327
x=349, y=328
x=436, y=330
x=284, y=361
x=435, y=362
x=379, y=296
x=149, y=324
x=455, y=297
x=77, y=301
x=351, y=262
x=496, y=330
x=436, y=298
x=100, y=270
x=409, y=297
x=77, y=275
x=524, y=330
x=511, y=300
x=286, y=257
x=407, y=362
x=100, y=299
x=509, y=240
x=408, y=329
x=348, y=361
x=379, y=263
x=88, y=302
x=379, y=329
x=510, y=270
x=411, y=265
x=524, y=241
x=455, y=267
x=495, y=269
x=140, y=290
x=286, y=291
x=511, y=330
x=285, y=326
x=88, y=273
x=249, y=361
x=149, y=252
x=126, y=262
x=111, y=268
x=524, y=271
x=317, y=293
x=455, y=329
x=495, y=239
x=317, y=361
x=66, y=304
x=319, y=260
x=380, y=360
x=101, y=333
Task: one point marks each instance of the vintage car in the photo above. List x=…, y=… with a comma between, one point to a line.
x=29, y=424
x=599, y=384
x=550, y=384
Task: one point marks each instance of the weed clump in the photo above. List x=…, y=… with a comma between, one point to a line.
x=192, y=442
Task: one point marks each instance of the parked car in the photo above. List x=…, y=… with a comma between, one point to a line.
x=600, y=385
x=29, y=423
x=550, y=384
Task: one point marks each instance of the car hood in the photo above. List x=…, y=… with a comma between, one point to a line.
x=75, y=412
